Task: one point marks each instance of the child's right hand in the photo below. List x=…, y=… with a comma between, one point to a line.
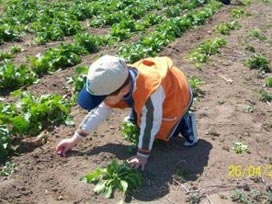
x=65, y=145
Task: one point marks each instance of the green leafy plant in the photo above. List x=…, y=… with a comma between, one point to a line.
x=201, y=53
x=225, y=28
x=6, y=55
x=8, y=169
x=249, y=109
x=77, y=81
x=90, y=42
x=14, y=77
x=57, y=58
x=250, y=48
x=9, y=33
x=114, y=177
x=195, y=83
x=259, y=62
x=265, y=96
x=15, y=49
x=268, y=82
x=256, y=33
x=32, y=114
x=237, y=13
x=240, y=148
x=239, y=195
x=5, y=143
x=130, y=131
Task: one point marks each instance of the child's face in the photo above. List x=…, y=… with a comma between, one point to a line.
x=114, y=99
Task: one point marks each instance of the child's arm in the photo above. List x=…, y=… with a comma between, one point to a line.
x=89, y=123
x=151, y=120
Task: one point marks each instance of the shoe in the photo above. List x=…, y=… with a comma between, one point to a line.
x=193, y=137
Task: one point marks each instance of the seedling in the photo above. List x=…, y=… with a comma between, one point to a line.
x=256, y=33
x=259, y=62
x=250, y=48
x=114, y=177
x=130, y=132
x=239, y=196
x=15, y=49
x=77, y=81
x=5, y=143
x=240, y=148
x=201, y=53
x=225, y=28
x=8, y=169
x=195, y=83
x=268, y=82
x=249, y=109
x=265, y=96
x=237, y=13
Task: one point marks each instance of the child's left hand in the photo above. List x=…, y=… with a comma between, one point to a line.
x=137, y=161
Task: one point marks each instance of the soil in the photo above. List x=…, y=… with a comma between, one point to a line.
x=227, y=111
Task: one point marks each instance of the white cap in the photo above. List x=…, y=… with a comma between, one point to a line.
x=106, y=75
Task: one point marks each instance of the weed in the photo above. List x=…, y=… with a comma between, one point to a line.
x=130, y=132
x=249, y=109
x=201, y=53
x=225, y=28
x=5, y=143
x=8, y=169
x=78, y=80
x=259, y=62
x=268, y=82
x=195, y=83
x=194, y=196
x=237, y=13
x=256, y=33
x=15, y=49
x=182, y=175
x=239, y=195
x=265, y=96
x=240, y=148
x=250, y=48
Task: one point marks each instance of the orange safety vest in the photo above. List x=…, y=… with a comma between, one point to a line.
x=153, y=72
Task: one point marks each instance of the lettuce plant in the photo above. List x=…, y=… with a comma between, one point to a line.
x=114, y=177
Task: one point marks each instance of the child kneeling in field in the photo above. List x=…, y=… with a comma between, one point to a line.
x=157, y=92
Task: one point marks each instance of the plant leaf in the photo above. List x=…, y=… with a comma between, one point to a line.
x=124, y=185
x=100, y=187
x=108, y=191
x=91, y=177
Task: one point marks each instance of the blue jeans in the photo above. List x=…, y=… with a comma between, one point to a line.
x=185, y=127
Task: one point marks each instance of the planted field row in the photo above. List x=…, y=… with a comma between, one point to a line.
x=67, y=55
x=55, y=20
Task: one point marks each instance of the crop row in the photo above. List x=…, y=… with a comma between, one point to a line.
x=67, y=55
x=54, y=21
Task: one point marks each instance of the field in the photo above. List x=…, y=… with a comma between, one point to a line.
x=225, y=50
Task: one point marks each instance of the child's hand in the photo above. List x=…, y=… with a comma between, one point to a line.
x=64, y=146
x=137, y=161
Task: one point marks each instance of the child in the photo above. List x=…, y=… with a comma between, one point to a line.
x=157, y=92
